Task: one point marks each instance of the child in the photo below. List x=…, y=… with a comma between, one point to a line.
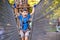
x=24, y=18
x=58, y=25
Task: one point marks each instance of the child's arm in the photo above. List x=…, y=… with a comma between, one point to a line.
x=32, y=11
x=17, y=14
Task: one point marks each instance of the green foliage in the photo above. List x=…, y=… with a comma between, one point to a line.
x=30, y=9
x=56, y=12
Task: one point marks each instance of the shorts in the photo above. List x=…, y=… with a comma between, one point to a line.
x=26, y=34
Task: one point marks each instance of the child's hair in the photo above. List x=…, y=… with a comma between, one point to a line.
x=25, y=9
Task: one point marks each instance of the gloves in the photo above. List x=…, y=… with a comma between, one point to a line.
x=14, y=5
x=35, y=5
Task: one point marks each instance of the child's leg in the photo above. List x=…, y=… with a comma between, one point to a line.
x=22, y=38
x=26, y=38
x=22, y=34
x=27, y=35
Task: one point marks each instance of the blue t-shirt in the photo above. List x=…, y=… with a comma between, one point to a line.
x=25, y=20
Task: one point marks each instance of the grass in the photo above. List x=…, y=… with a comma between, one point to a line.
x=52, y=29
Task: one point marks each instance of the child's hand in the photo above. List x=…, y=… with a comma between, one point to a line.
x=14, y=5
x=35, y=5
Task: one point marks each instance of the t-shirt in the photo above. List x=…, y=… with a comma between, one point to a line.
x=24, y=21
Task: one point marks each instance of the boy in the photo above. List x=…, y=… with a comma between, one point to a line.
x=24, y=18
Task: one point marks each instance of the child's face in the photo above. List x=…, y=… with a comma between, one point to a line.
x=24, y=13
